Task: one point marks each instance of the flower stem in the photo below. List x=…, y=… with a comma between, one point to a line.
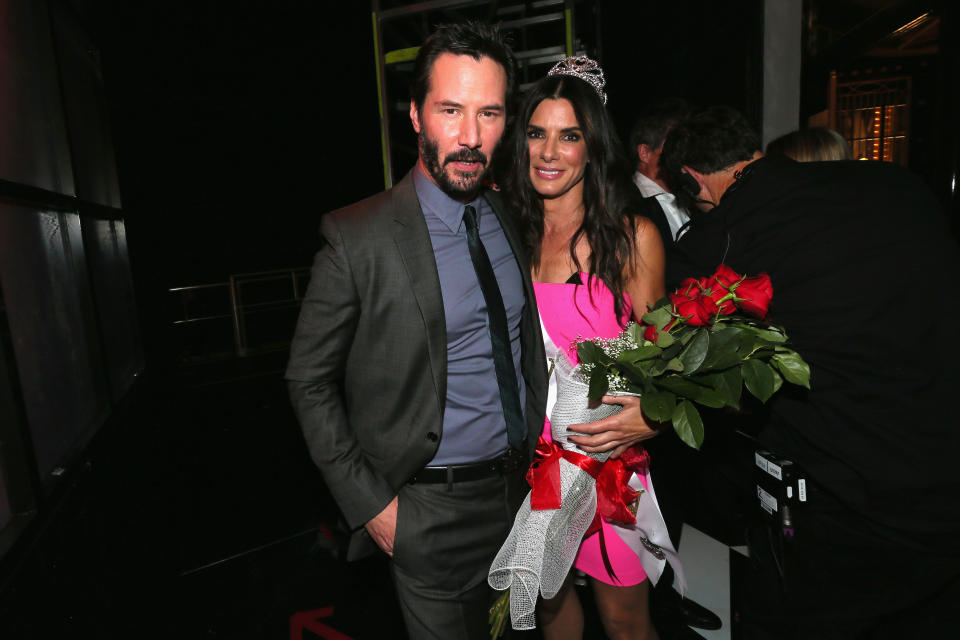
x=499, y=614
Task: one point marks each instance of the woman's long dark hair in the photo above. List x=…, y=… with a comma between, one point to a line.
x=607, y=193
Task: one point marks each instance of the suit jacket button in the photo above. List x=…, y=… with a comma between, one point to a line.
x=431, y=436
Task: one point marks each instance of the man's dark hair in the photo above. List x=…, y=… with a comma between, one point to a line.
x=709, y=140
x=474, y=39
x=654, y=123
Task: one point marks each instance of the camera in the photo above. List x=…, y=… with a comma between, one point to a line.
x=781, y=485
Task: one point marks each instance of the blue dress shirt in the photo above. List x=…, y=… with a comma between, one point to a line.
x=474, y=428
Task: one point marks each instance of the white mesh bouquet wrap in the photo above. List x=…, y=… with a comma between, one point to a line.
x=540, y=549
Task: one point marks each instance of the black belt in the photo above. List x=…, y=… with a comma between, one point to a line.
x=502, y=465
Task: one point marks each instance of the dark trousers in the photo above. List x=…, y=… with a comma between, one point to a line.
x=446, y=539
x=840, y=577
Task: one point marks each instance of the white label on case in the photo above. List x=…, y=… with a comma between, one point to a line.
x=767, y=501
x=775, y=471
x=760, y=460
x=802, y=488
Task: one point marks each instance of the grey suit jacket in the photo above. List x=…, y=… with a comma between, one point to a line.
x=368, y=363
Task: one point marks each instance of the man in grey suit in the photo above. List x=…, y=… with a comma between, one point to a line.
x=417, y=370
x=416, y=349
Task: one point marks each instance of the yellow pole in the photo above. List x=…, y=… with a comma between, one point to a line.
x=383, y=116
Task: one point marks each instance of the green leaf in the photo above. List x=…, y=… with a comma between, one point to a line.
x=671, y=352
x=725, y=384
x=658, y=317
x=657, y=367
x=598, y=383
x=688, y=389
x=695, y=352
x=658, y=405
x=674, y=364
x=758, y=378
x=636, y=371
x=709, y=397
x=723, y=351
x=683, y=387
x=640, y=353
x=777, y=380
x=731, y=386
x=589, y=352
x=750, y=344
x=688, y=425
x=771, y=333
x=664, y=339
x=793, y=367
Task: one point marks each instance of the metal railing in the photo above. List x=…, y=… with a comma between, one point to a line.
x=258, y=309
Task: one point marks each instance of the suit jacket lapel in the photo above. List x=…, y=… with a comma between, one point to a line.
x=507, y=224
x=413, y=242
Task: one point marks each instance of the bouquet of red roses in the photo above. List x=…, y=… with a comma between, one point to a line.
x=700, y=345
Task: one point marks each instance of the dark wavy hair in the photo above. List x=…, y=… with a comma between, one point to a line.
x=471, y=38
x=655, y=121
x=607, y=193
x=708, y=140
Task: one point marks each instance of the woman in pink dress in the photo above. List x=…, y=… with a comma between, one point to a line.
x=594, y=264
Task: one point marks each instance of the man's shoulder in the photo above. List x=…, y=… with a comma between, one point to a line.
x=496, y=199
x=373, y=211
x=371, y=207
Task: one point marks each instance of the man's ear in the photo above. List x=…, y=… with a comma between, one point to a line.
x=691, y=180
x=415, y=116
x=643, y=152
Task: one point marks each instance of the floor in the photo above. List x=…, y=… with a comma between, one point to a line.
x=234, y=588
x=205, y=518
x=707, y=566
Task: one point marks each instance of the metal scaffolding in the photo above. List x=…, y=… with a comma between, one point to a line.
x=542, y=32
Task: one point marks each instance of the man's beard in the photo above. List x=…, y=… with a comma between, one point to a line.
x=463, y=185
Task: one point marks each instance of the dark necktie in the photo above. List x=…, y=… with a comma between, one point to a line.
x=499, y=335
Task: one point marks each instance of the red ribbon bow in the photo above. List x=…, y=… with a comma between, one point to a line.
x=543, y=476
x=614, y=494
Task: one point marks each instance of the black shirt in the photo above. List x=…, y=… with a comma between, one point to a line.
x=865, y=281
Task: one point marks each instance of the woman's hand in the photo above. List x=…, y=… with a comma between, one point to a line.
x=618, y=432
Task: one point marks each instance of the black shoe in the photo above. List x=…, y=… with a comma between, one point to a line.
x=669, y=605
x=677, y=631
x=697, y=615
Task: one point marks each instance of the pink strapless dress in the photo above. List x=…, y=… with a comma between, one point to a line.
x=569, y=311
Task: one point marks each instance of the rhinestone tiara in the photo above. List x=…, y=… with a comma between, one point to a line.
x=584, y=68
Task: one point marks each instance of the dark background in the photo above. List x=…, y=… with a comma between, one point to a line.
x=238, y=124
x=196, y=511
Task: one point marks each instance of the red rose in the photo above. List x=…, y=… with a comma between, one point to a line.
x=650, y=333
x=697, y=312
x=754, y=294
x=726, y=276
x=715, y=292
x=689, y=287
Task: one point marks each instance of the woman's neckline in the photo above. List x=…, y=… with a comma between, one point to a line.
x=567, y=281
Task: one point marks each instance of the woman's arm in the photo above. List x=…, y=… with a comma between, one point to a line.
x=644, y=285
